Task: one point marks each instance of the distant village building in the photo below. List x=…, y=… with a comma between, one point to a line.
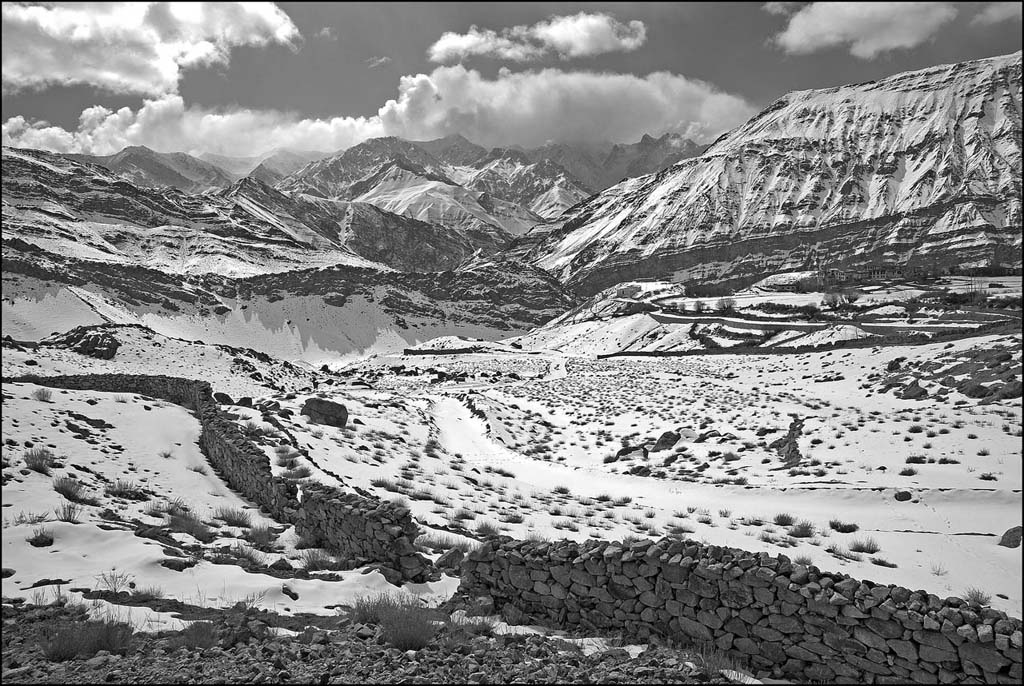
x=628, y=291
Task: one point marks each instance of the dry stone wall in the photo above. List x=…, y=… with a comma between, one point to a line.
x=781, y=618
x=359, y=528
x=343, y=521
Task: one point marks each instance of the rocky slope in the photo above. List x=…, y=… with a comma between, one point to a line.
x=449, y=181
x=919, y=170
x=151, y=169
x=86, y=211
x=316, y=315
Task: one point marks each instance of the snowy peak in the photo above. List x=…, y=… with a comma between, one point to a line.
x=918, y=171
x=145, y=167
x=454, y=150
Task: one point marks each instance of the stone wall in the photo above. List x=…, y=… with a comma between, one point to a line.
x=366, y=529
x=780, y=618
x=359, y=528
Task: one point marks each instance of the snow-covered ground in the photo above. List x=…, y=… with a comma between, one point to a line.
x=527, y=443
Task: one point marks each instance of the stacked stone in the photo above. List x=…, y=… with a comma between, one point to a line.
x=779, y=617
x=362, y=529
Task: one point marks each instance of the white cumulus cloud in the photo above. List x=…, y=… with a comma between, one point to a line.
x=527, y=108
x=868, y=28
x=130, y=47
x=579, y=35
x=996, y=12
x=166, y=124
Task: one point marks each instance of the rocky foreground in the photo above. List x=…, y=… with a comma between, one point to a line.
x=239, y=649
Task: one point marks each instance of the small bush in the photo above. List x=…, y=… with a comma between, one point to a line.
x=244, y=552
x=262, y=537
x=70, y=488
x=318, y=560
x=41, y=537
x=300, y=472
x=804, y=529
x=866, y=545
x=233, y=516
x=977, y=597
x=188, y=523
x=487, y=529
x=253, y=429
x=85, y=639
x=39, y=460
x=804, y=560
x=199, y=635
x=988, y=476
x=408, y=626
x=370, y=609
x=68, y=512
x=561, y=490
x=148, y=593
x=908, y=471
x=883, y=562
x=916, y=459
x=128, y=490
x=784, y=519
x=841, y=552
x=42, y=394
x=842, y=527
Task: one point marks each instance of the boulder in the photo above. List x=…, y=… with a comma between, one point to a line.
x=450, y=560
x=665, y=441
x=326, y=412
x=223, y=398
x=1011, y=539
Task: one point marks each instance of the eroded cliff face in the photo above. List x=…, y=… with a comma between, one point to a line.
x=922, y=169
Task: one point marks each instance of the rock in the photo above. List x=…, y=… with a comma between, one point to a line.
x=223, y=398
x=914, y=392
x=450, y=560
x=326, y=412
x=1011, y=539
x=665, y=441
x=903, y=496
x=282, y=565
x=6, y=572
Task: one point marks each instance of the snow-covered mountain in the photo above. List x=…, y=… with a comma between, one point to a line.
x=86, y=211
x=145, y=167
x=450, y=181
x=316, y=315
x=599, y=166
x=269, y=167
x=918, y=170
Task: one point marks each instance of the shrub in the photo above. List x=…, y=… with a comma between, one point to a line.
x=804, y=529
x=370, y=609
x=42, y=394
x=784, y=519
x=841, y=552
x=85, y=639
x=487, y=529
x=233, y=516
x=882, y=562
x=867, y=545
x=988, y=476
x=262, y=537
x=975, y=596
x=187, y=522
x=244, y=552
x=41, y=537
x=68, y=512
x=300, y=472
x=908, y=471
x=842, y=527
x=71, y=489
x=408, y=626
x=916, y=459
x=318, y=560
x=561, y=490
x=126, y=489
x=199, y=635
x=253, y=429
x=148, y=593
x=39, y=460
x=804, y=560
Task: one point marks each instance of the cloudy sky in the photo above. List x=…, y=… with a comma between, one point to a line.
x=241, y=79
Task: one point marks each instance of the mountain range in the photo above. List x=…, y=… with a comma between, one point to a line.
x=921, y=170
